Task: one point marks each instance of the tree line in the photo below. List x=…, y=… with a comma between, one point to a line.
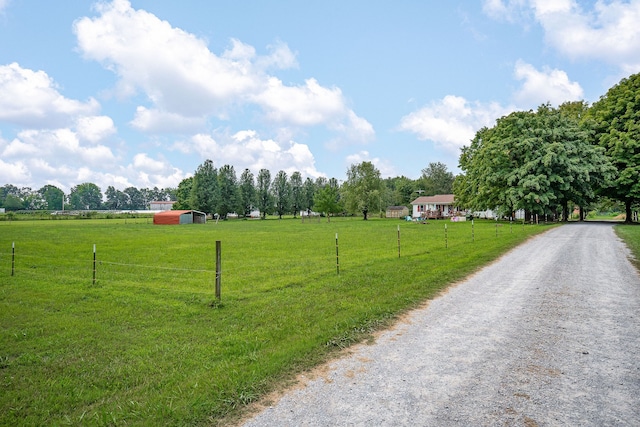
x=85, y=196
x=220, y=191
x=549, y=160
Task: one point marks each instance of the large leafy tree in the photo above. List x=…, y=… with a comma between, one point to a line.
x=183, y=194
x=536, y=161
x=53, y=197
x=327, y=199
x=247, y=192
x=14, y=198
x=297, y=192
x=281, y=193
x=85, y=196
x=229, y=191
x=436, y=179
x=205, y=190
x=616, y=118
x=135, y=198
x=116, y=199
x=265, y=199
x=362, y=189
x=309, y=190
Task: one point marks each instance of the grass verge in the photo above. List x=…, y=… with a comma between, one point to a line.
x=630, y=233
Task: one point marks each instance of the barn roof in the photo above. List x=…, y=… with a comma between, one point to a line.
x=439, y=199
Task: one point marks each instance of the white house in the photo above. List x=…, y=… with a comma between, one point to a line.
x=434, y=207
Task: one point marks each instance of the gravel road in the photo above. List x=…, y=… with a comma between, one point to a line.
x=549, y=335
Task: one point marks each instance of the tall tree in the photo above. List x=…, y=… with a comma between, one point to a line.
x=536, y=161
x=265, y=199
x=309, y=193
x=436, y=179
x=327, y=199
x=247, y=192
x=362, y=189
x=135, y=200
x=183, y=194
x=297, y=192
x=616, y=117
x=116, y=199
x=229, y=191
x=53, y=197
x=281, y=193
x=205, y=190
x=86, y=196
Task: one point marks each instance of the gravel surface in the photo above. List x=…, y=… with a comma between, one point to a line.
x=549, y=335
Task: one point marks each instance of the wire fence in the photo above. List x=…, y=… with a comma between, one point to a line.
x=336, y=255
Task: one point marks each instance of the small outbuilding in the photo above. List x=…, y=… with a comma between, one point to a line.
x=179, y=217
x=397, y=212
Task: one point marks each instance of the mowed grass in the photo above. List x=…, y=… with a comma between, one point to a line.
x=148, y=344
x=631, y=236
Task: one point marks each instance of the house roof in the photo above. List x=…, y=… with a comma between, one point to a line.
x=396, y=208
x=439, y=199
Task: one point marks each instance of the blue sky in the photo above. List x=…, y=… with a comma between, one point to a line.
x=140, y=92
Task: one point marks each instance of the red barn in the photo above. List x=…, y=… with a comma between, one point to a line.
x=179, y=217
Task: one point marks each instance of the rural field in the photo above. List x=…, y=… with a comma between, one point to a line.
x=149, y=344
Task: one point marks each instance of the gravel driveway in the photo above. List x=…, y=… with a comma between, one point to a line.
x=547, y=336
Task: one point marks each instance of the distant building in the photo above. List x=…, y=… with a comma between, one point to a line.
x=397, y=211
x=434, y=207
x=179, y=217
x=161, y=205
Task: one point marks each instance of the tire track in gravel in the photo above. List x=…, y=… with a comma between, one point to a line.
x=548, y=335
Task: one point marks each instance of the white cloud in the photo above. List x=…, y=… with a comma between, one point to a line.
x=610, y=32
x=142, y=162
x=385, y=168
x=62, y=145
x=16, y=173
x=245, y=149
x=306, y=105
x=157, y=121
x=509, y=10
x=452, y=122
x=548, y=85
x=3, y=5
x=186, y=83
x=31, y=98
x=606, y=31
x=95, y=128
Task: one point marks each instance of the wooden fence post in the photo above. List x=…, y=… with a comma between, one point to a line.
x=398, y=241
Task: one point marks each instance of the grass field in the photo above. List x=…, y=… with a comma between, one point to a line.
x=147, y=344
x=631, y=236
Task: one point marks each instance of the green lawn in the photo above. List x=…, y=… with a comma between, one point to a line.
x=631, y=236
x=148, y=344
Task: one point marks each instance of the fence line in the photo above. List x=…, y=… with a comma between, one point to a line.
x=154, y=266
x=354, y=259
